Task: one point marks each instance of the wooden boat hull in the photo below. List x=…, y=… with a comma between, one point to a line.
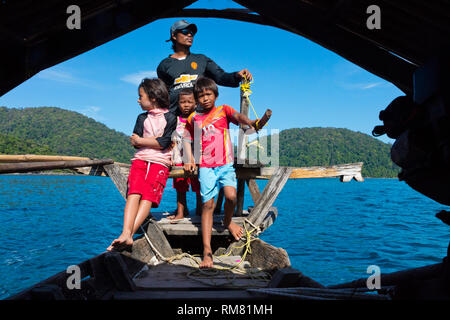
x=112, y=275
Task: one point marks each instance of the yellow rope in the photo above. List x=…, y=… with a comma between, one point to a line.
x=245, y=88
x=208, y=273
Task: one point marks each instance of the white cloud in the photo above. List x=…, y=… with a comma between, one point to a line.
x=136, y=78
x=92, y=112
x=56, y=75
x=360, y=86
x=371, y=85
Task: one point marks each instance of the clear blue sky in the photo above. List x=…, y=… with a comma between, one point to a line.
x=304, y=84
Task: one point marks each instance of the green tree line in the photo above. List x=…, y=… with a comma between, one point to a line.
x=55, y=131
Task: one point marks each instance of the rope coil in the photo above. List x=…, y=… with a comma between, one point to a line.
x=231, y=271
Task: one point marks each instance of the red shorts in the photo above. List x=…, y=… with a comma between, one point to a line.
x=149, y=184
x=182, y=184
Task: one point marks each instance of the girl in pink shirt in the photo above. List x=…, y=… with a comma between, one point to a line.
x=151, y=162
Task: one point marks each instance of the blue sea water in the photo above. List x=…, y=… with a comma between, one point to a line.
x=332, y=231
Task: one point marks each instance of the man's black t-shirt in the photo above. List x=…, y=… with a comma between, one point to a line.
x=180, y=74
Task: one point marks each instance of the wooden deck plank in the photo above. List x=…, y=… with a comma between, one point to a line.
x=187, y=295
x=191, y=225
x=184, y=273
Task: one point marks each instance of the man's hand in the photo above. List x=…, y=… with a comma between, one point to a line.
x=252, y=124
x=244, y=73
x=189, y=167
x=134, y=139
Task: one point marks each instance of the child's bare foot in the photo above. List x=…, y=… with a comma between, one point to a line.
x=121, y=243
x=235, y=230
x=178, y=216
x=207, y=260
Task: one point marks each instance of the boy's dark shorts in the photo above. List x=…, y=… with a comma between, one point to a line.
x=182, y=184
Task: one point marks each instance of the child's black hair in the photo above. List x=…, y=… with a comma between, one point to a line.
x=186, y=92
x=156, y=89
x=204, y=83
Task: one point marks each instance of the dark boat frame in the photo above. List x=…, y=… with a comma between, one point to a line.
x=410, y=50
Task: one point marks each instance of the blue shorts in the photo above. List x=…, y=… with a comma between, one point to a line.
x=213, y=179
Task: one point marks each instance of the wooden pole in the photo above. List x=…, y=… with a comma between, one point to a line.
x=119, y=180
x=264, y=203
x=49, y=165
x=36, y=158
x=254, y=189
x=242, y=153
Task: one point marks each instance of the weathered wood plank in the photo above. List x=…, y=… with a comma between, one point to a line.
x=159, y=240
x=266, y=256
x=188, y=295
x=269, y=194
x=348, y=169
x=243, y=138
x=192, y=225
x=242, y=172
x=10, y=158
x=240, y=192
x=167, y=276
x=263, y=205
x=49, y=165
x=254, y=189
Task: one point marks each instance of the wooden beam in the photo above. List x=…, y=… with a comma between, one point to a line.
x=262, y=206
x=269, y=194
x=159, y=241
x=243, y=172
x=349, y=169
x=36, y=158
x=119, y=180
x=50, y=165
x=191, y=226
x=254, y=189
x=240, y=192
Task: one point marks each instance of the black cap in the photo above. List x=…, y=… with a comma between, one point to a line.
x=182, y=24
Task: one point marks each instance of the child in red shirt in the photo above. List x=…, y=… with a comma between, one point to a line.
x=187, y=104
x=208, y=128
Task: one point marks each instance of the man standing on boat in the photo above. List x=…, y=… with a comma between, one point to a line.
x=182, y=68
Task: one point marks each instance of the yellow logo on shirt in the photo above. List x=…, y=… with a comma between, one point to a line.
x=194, y=65
x=186, y=78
